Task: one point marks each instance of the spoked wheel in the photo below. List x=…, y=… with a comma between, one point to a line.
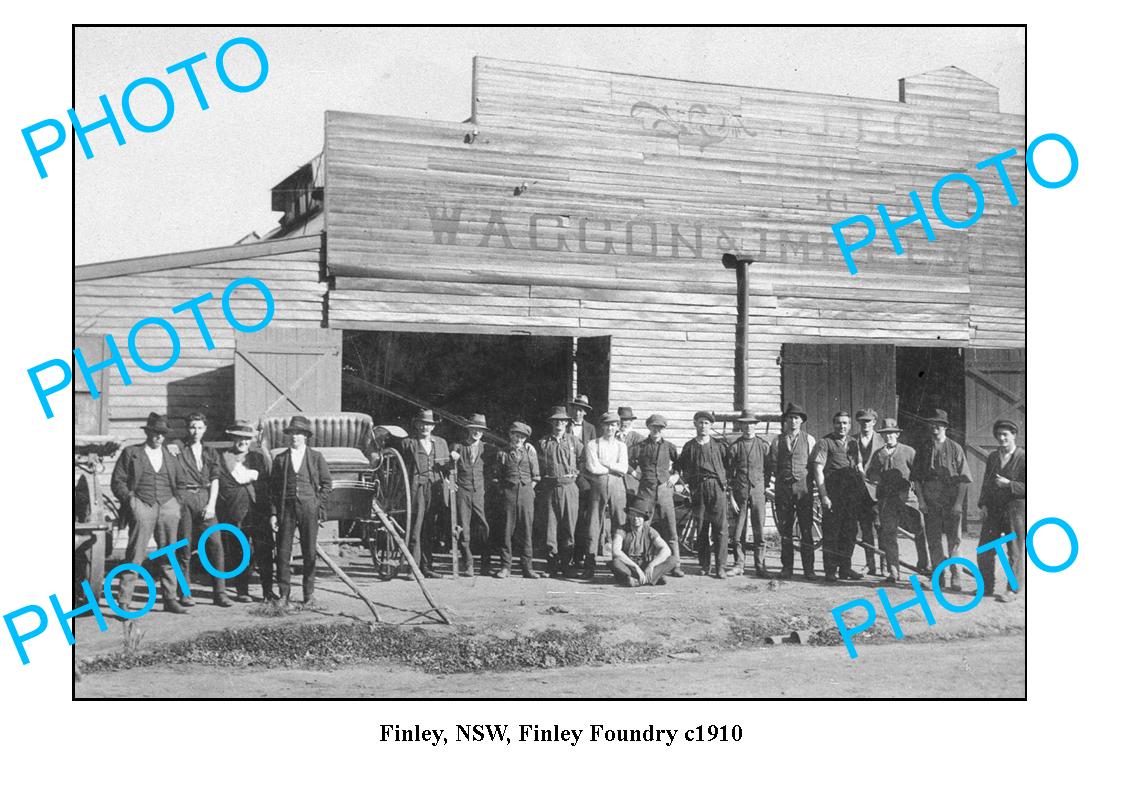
x=394, y=499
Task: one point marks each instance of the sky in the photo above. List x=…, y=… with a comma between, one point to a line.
x=204, y=179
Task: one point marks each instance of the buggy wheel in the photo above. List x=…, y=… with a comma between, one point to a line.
x=393, y=498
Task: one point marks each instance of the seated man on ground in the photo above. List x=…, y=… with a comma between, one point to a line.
x=639, y=554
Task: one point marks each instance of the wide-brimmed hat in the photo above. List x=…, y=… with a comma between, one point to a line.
x=704, y=415
x=890, y=426
x=626, y=413
x=1003, y=423
x=746, y=417
x=520, y=427
x=559, y=413
x=656, y=420
x=425, y=416
x=476, y=421
x=866, y=414
x=795, y=409
x=640, y=505
x=241, y=428
x=299, y=424
x=608, y=417
x=157, y=422
x=938, y=416
x=582, y=402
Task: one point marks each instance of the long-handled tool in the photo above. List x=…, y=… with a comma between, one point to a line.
x=881, y=553
x=394, y=529
x=347, y=580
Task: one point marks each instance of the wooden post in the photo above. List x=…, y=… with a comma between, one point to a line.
x=740, y=264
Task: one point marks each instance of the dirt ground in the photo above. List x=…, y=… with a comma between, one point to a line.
x=702, y=634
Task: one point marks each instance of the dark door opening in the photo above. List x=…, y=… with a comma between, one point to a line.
x=929, y=379
x=505, y=377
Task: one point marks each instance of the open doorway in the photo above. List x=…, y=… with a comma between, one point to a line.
x=928, y=379
x=506, y=377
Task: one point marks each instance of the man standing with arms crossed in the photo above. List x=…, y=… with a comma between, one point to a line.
x=606, y=464
x=243, y=501
x=942, y=473
x=654, y=458
x=788, y=458
x=891, y=473
x=746, y=460
x=702, y=463
x=836, y=464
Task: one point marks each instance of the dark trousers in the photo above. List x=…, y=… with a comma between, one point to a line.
x=255, y=527
x=840, y=523
x=707, y=500
x=162, y=522
x=896, y=513
x=303, y=513
x=664, y=520
x=556, y=513
x=943, y=519
x=427, y=510
x=470, y=514
x=191, y=527
x=518, y=515
x=867, y=524
x=623, y=574
x=999, y=522
x=581, y=534
x=608, y=503
x=794, y=503
x=750, y=505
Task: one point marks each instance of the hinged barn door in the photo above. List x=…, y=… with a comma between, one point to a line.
x=284, y=371
x=995, y=384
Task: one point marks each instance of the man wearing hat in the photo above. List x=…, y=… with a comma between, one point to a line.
x=470, y=457
x=640, y=557
x=1003, y=498
x=869, y=442
x=516, y=470
x=198, y=491
x=745, y=462
x=428, y=462
x=789, y=456
x=606, y=464
x=630, y=438
x=146, y=481
x=243, y=501
x=556, y=508
x=653, y=459
x=583, y=433
x=891, y=473
x=300, y=482
x=942, y=473
x=702, y=464
x=836, y=465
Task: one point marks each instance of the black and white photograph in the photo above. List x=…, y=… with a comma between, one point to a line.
x=560, y=363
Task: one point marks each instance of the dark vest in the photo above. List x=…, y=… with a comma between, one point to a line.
x=470, y=474
x=791, y=466
x=300, y=483
x=154, y=488
x=515, y=469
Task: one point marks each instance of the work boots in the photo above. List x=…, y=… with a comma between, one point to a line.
x=758, y=562
x=677, y=571
x=590, y=570
x=528, y=569
x=738, y=560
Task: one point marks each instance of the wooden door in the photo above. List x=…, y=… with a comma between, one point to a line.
x=995, y=387
x=287, y=370
x=825, y=379
x=594, y=364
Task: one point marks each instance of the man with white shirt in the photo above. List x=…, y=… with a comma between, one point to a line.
x=199, y=494
x=606, y=464
x=300, y=483
x=243, y=501
x=146, y=482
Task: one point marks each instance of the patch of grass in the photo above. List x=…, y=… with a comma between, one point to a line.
x=326, y=646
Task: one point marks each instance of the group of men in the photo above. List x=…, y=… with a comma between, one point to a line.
x=174, y=493
x=586, y=488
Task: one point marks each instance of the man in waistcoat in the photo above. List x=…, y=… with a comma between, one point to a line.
x=942, y=473
x=244, y=502
x=653, y=460
x=516, y=472
x=606, y=465
x=470, y=458
x=869, y=442
x=557, y=502
x=702, y=464
x=583, y=432
x=842, y=490
x=746, y=460
x=146, y=481
x=198, y=496
x=890, y=471
x=299, y=485
x=428, y=462
x=789, y=456
x=1003, y=498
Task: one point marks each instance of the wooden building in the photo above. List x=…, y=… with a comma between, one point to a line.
x=569, y=237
